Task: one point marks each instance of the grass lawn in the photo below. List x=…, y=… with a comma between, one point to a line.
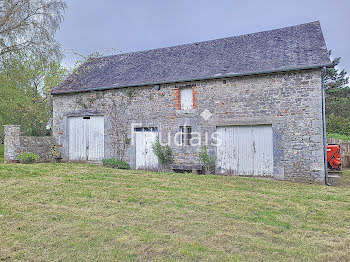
x=79, y=212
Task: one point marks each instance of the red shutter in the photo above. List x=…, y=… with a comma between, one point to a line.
x=195, y=99
x=177, y=103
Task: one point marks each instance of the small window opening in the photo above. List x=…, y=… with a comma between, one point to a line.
x=86, y=117
x=224, y=81
x=186, y=135
x=146, y=129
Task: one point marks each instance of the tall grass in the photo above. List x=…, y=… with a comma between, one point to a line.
x=338, y=136
x=1, y=153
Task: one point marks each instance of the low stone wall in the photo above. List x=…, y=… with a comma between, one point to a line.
x=15, y=143
x=345, y=150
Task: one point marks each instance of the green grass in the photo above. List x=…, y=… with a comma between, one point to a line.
x=1, y=153
x=338, y=136
x=79, y=212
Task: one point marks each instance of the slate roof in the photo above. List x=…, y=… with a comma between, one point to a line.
x=291, y=48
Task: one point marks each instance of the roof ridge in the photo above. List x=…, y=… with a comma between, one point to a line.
x=294, y=47
x=205, y=41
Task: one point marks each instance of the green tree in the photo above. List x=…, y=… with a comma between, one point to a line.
x=29, y=62
x=25, y=93
x=333, y=78
x=29, y=26
x=337, y=100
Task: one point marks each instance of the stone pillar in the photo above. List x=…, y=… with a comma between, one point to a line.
x=11, y=143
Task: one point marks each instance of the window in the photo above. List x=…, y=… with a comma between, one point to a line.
x=186, y=135
x=186, y=98
x=146, y=129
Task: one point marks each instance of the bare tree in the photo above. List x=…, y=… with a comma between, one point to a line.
x=29, y=26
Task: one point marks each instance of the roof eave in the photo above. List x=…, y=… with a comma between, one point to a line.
x=54, y=92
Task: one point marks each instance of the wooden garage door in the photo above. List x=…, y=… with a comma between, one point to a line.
x=245, y=150
x=86, y=138
x=145, y=157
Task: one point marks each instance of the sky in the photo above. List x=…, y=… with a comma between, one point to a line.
x=134, y=25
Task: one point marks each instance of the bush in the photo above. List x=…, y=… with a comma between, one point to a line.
x=120, y=164
x=338, y=124
x=207, y=161
x=28, y=157
x=164, y=154
x=338, y=136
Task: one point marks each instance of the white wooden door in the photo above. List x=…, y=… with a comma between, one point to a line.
x=245, y=150
x=77, y=142
x=95, y=150
x=86, y=138
x=145, y=157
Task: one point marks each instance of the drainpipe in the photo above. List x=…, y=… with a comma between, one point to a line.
x=324, y=129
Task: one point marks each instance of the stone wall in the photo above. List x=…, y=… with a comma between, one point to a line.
x=11, y=143
x=289, y=101
x=15, y=143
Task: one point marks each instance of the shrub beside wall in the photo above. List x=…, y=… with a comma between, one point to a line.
x=338, y=124
x=120, y=164
x=28, y=157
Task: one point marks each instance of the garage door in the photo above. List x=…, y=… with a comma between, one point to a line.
x=145, y=157
x=86, y=138
x=245, y=150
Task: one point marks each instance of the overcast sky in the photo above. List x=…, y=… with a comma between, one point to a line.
x=133, y=25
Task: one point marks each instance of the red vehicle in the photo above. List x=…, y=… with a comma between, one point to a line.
x=333, y=157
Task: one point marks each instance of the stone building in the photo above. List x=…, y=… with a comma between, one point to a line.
x=255, y=100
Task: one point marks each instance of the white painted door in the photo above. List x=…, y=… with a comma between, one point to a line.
x=245, y=150
x=95, y=150
x=86, y=138
x=145, y=157
x=77, y=142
